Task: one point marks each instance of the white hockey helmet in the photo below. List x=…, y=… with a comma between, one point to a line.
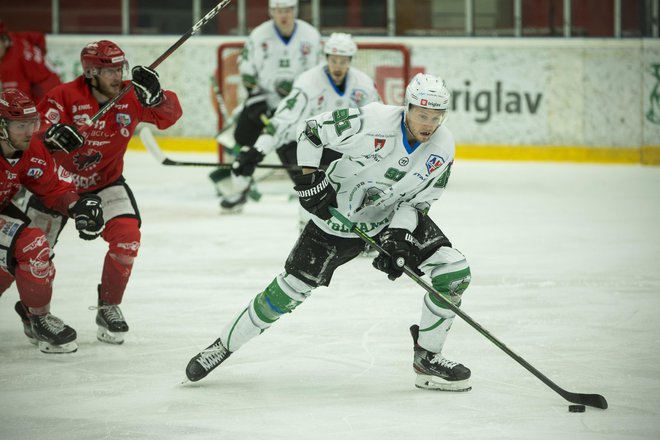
x=272, y=4
x=340, y=44
x=428, y=91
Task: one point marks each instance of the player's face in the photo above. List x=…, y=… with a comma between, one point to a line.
x=338, y=67
x=110, y=80
x=284, y=20
x=422, y=122
x=21, y=131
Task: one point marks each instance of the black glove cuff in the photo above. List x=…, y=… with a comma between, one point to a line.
x=397, y=235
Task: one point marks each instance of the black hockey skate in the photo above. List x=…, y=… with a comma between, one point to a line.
x=52, y=334
x=434, y=372
x=234, y=202
x=202, y=364
x=111, y=322
x=25, y=319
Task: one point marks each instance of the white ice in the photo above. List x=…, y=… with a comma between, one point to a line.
x=566, y=272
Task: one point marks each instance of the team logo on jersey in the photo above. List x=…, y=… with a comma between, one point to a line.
x=35, y=172
x=52, y=115
x=358, y=96
x=81, y=107
x=378, y=144
x=433, y=163
x=305, y=48
x=123, y=119
x=88, y=160
x=404, y=161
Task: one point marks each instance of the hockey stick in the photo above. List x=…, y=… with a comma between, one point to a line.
x=106, y=108
x=152, y=146
x=219, y=99
x=595, y=400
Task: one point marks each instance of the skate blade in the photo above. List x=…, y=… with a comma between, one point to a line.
x=233, y=210
x=435, y=383
x=47, y=347
x=105, y=335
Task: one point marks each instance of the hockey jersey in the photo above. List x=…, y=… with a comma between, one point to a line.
x=381, y=180
x=274, y=62
x=36, y=169
x=100, y=161
x=315, y=92
x=24, y=66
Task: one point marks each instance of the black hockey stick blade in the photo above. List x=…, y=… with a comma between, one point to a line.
x=150, y=143
x=594, y=400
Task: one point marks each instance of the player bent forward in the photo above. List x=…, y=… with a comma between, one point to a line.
x=95, y=162
x=396, y=162
x=24, y=250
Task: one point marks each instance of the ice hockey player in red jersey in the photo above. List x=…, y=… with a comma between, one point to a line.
x=23, y=63
x=24, y=250
x=94, y=160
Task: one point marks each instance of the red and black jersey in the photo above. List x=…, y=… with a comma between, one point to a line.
x=100, y=161
x=24, y=66
x=38, y=172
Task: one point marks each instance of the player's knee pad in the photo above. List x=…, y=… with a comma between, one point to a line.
x=282, y=295
x=32, y=254
x=123, y=235
x=450, y=274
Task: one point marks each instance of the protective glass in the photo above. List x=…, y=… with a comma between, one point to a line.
x=282, y=11
x=23, y=126
x=425, y=116
x=112, y=72
x=338, y=61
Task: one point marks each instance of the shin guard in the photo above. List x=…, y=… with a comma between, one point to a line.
x=281, y=296
x=123, y=235
x=450, y=275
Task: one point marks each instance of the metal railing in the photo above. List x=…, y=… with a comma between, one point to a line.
x=391, y=24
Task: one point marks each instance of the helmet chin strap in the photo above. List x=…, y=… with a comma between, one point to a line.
x=4, y=136
x=96, y=87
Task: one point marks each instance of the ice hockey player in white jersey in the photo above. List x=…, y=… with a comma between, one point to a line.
x=328, y=86
x=275, y=53
x=396, y=162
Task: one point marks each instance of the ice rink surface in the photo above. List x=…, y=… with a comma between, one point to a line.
x=565, y=262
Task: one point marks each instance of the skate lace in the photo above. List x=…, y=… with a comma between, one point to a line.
x=212, y=357
x=52, y=323
x=446, y=363
x=111, y=312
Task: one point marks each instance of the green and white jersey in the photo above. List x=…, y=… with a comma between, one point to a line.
x=315, y=92
x=274, y=63
x=381, y=180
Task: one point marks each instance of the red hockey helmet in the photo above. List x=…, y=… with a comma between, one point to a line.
x=100, y=54
x=16, y=105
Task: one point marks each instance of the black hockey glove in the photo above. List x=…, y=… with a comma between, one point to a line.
x=399, y=245
x=248, y=158
x=63, y=137
x=315, y=193
x=147, y=86
x=88, y=214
